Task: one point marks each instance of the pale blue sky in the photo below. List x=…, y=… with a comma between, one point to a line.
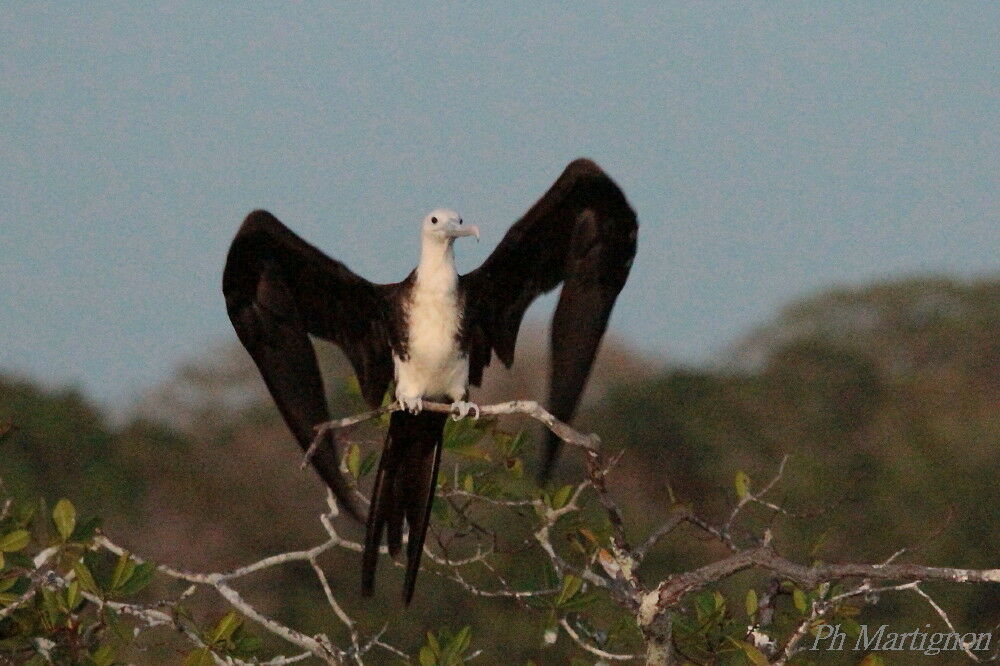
x=769, y=149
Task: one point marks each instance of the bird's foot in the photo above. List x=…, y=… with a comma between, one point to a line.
x=413, y=404
x=460, y=409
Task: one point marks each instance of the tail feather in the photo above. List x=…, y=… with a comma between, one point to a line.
x=394, y=518
x=404, y=489
x=550, y=456
x=419, y=489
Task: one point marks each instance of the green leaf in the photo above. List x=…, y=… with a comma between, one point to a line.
x=114, y=620
x=73, y=594
x=15, y=559
x=14, y=541
x=799, y=598
x=427, y=656
x=354, y=460
x=474, y=453
x=433, y=643
x=199, y=657
x=462, y=640
x=8, y=582
x=461, y=434
x=64, y=516
x=468, y=484
x=751, y=604
x=579, y=602
x=229, y=623
x=753, y=655
x=441, y=511
x=52, y=604
x=85, y=577
x=139, y=579
x=123, y=571
x=561, y=497
x=95, y=561
x=742, y=484
x=85, y=529
x=704, y=605
x=871, y=660
x=450, y=653
x=516, y=444
x=104, y=655
x=570, y=586
x=550, y=633
x=516, y=467
x=246, y=645
x=368, y=464
x=352, y=386
x=850, y=627
x=19, y=559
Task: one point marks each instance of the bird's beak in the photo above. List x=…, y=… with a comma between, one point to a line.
x=466, y=230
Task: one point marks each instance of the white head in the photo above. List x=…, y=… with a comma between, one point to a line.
x=444, y=226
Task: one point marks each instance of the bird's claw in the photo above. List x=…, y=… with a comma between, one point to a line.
x=411, y=404
x=460, y=409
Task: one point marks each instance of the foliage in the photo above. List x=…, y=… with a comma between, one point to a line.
x=64, y=601
x=885, y=397
x=68, y=592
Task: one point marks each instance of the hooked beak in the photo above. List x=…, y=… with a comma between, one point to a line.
x=454, y=231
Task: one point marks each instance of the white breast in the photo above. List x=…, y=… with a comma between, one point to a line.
x=433, y=320
x=435, y=366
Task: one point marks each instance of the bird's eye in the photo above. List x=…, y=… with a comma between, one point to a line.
x=460, y=220
x=434, y=220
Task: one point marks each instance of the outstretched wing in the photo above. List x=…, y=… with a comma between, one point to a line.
x=581, y=233
x=279, y=289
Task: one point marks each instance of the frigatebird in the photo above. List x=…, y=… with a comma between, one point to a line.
x=431, y=334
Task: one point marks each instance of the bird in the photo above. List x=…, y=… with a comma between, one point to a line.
x=429, y=336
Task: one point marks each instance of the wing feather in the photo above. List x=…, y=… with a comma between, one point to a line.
x=581, y=234
x=279, y=290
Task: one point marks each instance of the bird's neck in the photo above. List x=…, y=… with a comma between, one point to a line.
x=436, y=269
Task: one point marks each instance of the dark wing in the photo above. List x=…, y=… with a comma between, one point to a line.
x=581, y=233
x=278, y=289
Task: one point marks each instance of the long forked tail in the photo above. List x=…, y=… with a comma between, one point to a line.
x=404, y=489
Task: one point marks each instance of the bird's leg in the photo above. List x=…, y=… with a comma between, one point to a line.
x=460, y=409
x=414, y=404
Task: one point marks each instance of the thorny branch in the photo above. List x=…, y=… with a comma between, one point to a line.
x=614, y=568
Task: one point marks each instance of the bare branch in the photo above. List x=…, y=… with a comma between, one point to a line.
x=593, y=649
x=754, y=497
x=525, y=407
x=610, y=567
x=966, y=648
x=764, y=557
x=678, y=515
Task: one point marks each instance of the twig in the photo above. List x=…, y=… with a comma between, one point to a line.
x=764, y=557
x=525, y=407
x=749, y=497
x=677, y=516
x=947, y=620
x=596, y=651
